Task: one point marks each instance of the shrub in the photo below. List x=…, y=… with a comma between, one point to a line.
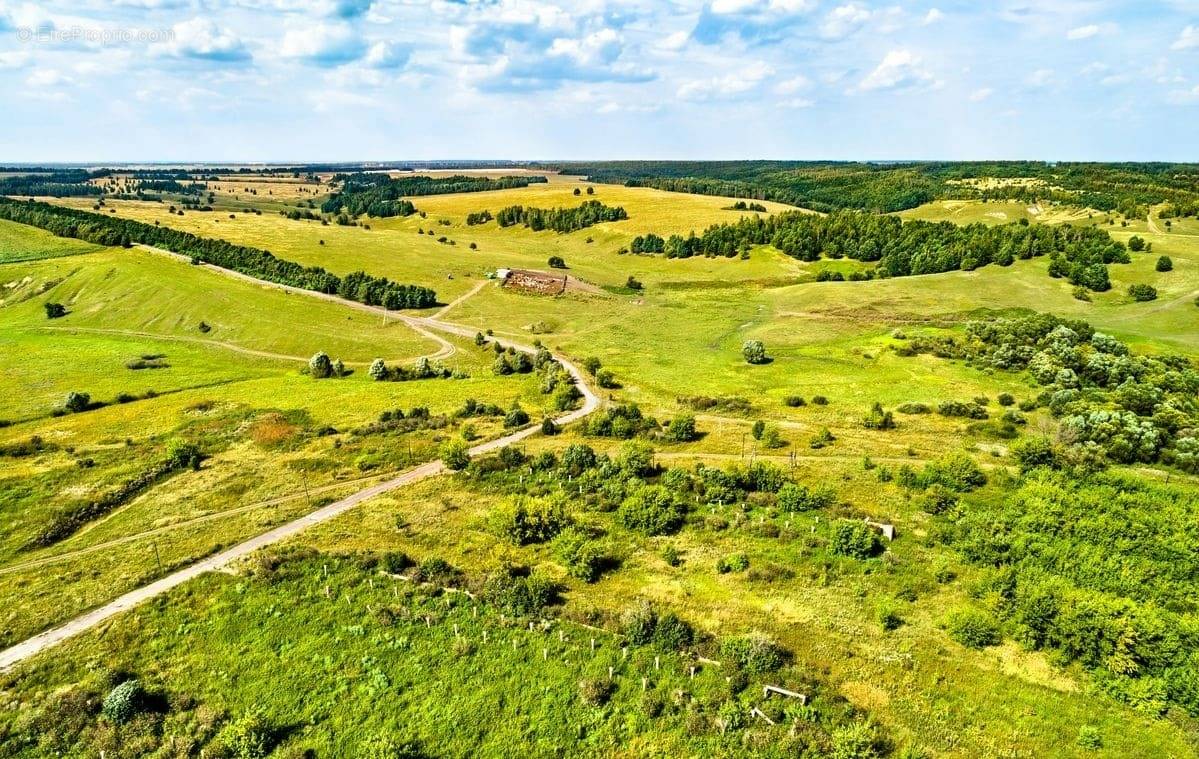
x=320, y=366
x=1035, y=452
x=583, y=560
x=595, y=691
x=772, y=438
x=385, y=747
x=819, y=400
x=77, y=402
x=124, y=702
x=606, y=379
x=1142, y=292
x=878, y=419
x=652, y=510
x=793, y=497
x=1136, y=244
x=737, y=562
x=794, y=401
x=516, y=416
x=55, y=310
x=1164, y=263
x=756, y=654
x=249, y=737
x=856, y=741
x=821, y=439
x=548, y=427
x=533, y=521
x=1005, y=399
x=754, y=352
x=888, y=617
x=556, y=262
x=519, y=593
x=854, y=539
x=1090, y=738
x=681, y=429
x=973, y=628
x=455, y=455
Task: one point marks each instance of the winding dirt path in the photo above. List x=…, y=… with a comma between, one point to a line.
x=213, y=343
x=424, y=325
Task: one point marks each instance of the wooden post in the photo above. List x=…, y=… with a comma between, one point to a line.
x=610, y=671
x=545, y=654
x=657, y=663
x=484, y=636
x=693, y=672
x=593, y=644
x=455, y=629
x=624, y=652
x=514, y=644
x=644, y=683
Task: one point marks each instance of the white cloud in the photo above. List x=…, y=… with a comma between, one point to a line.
x=793, y=85
x=599, y=48
x=981, y=94
x=47, y=78
x=1184, y=97
x=726, y=86
x=1187, y=38
x=675, y=41
x=844, y=20
x=323, y=44
x=1040, y=78
x=385, y=55
x=14, y=59
x=899, y=68
x=1083, y=32
x=202, y=39
x=933, y=16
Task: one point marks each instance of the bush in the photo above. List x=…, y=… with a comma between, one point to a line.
x=55, y=310
x=819, y=400
x=77, y=402
x=556, y=262
x=548, y=427
x=582, y=558
x=535, y=521
x=516, y=417
x=606, y=379
x=856, y=741
x=652, y=510
x=878, y=419
x=386, y=747
x=973, y=628
x=681, y=429
x=1164, y=263
x=755, y=654
x=124, y=702
x=249, y=737
x=737, y=562
x=1142, y=292
x=320, y=366
x=1136, y=244
x=1005, y=399
x=518, y=593
x=854, y=539
x=792, y=497
x=455, y=455
x=1090, y=738
x=754, y=352
x=888, y=617
x=794, y=401
x=595, y=691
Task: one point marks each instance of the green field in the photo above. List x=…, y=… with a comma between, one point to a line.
x=308, y=617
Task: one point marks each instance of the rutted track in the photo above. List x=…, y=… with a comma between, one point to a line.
x=425, y=326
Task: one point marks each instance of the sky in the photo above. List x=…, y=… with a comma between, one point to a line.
x=361, y=80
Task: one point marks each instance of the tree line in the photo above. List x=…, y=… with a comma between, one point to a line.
x=560, y=220
x=105, y=230
x=381, y=195
x=901, y=248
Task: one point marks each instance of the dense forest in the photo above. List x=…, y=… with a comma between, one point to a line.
x=105, y=230
x=1129, y=188
x=57, y=184
x=903, y=248
x=381, y=195
x=560, y=219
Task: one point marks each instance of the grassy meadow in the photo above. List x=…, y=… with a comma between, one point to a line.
x=309, y=616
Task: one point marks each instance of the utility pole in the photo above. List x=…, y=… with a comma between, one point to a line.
x=157, y=558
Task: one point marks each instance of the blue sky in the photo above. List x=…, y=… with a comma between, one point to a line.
x=287, y=80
